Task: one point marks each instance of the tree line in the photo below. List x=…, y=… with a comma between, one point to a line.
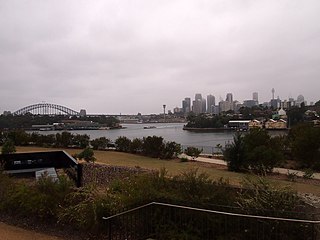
x=26, y=121
x=152, y=146
x=257, y=151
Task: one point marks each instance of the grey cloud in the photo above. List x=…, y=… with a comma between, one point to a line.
x=112, y=56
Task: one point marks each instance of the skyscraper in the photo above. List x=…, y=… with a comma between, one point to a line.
x=211, y=102
x=255, y=97
x=186, y=105
x=229, y=98
x=198, y=104
x=198, y=96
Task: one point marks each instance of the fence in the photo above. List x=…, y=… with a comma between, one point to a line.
x=205, y=149
x=168, y=221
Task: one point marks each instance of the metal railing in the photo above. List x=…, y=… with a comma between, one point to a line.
x=168, y=221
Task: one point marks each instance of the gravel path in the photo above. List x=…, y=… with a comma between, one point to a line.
x=8, y=232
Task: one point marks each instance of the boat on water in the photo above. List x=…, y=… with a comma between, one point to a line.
x=149, y=127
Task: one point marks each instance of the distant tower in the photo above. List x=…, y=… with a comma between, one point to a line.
x=272, y=93
x=164, y=112
x=211, y=102
x=255, y=97
x=229, y=98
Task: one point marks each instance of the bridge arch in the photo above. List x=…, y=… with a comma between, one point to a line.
x=46, y=109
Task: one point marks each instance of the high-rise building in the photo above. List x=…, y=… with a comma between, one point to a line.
x=204, y=105
x=186, y=105
x=211, y=102
x=197, y=104
x=300, y=99
x=229, y=98
x=255, y=97
x=224, y=106
x=198, y=96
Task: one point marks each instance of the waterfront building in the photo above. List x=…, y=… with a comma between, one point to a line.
x=276, y=124
x=239, y=124
x=282, y=114
x=255, y=124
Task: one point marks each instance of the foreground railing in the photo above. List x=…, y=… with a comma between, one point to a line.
x=167, y=221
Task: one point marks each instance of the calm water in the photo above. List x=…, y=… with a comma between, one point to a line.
x=169, y=131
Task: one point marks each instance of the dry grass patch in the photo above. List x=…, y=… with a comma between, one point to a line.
x=173, y=167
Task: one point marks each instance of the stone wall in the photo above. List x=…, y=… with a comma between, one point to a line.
x=103, y=175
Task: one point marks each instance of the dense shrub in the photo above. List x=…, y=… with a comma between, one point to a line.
x=193, y=152
x=123, y=144
x=305, y=145
x=262, y=197
x=8, y=147
x=136, y=145
x=255, y=151
x=100, y=143
x=42, y=200
x=87, y=154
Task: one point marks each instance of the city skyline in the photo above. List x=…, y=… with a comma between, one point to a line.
x=123, y=57
x=210, y=105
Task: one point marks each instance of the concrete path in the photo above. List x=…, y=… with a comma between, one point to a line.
x=224, y=163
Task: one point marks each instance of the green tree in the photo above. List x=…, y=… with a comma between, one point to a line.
x=153, y=146
x=64, y=139
x=136, y=145
x=262, y=153
x=256, y=151
x=234, y=154
x=8, y=147
x=305, y=145
x=87, y=154
x=100, y=143
x=80, y=140
x=123, y=144
x=193, y=152
x=171, y=150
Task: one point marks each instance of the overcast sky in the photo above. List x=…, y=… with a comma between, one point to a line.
x=130, y=56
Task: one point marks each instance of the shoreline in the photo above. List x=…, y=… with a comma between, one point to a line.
x=228, y=129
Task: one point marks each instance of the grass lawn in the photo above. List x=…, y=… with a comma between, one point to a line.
x=174, y=167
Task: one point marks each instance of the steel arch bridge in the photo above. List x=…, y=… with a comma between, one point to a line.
x=46, y=109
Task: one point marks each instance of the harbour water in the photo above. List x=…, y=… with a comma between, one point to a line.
x=169, y=131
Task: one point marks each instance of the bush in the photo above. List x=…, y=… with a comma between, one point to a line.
x=42, y=200
x=85, y=208
x=136, y=145
x=264, y=198
x=100, y=143
x=308, y=174
x=123, y=144
x=256, y=152
x=87, y=154
x=305, y=144
x=234, y=154
x=153, y=146
x=8, y=147
x=193, y=152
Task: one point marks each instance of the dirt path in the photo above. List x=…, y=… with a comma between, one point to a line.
x=8, y=232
